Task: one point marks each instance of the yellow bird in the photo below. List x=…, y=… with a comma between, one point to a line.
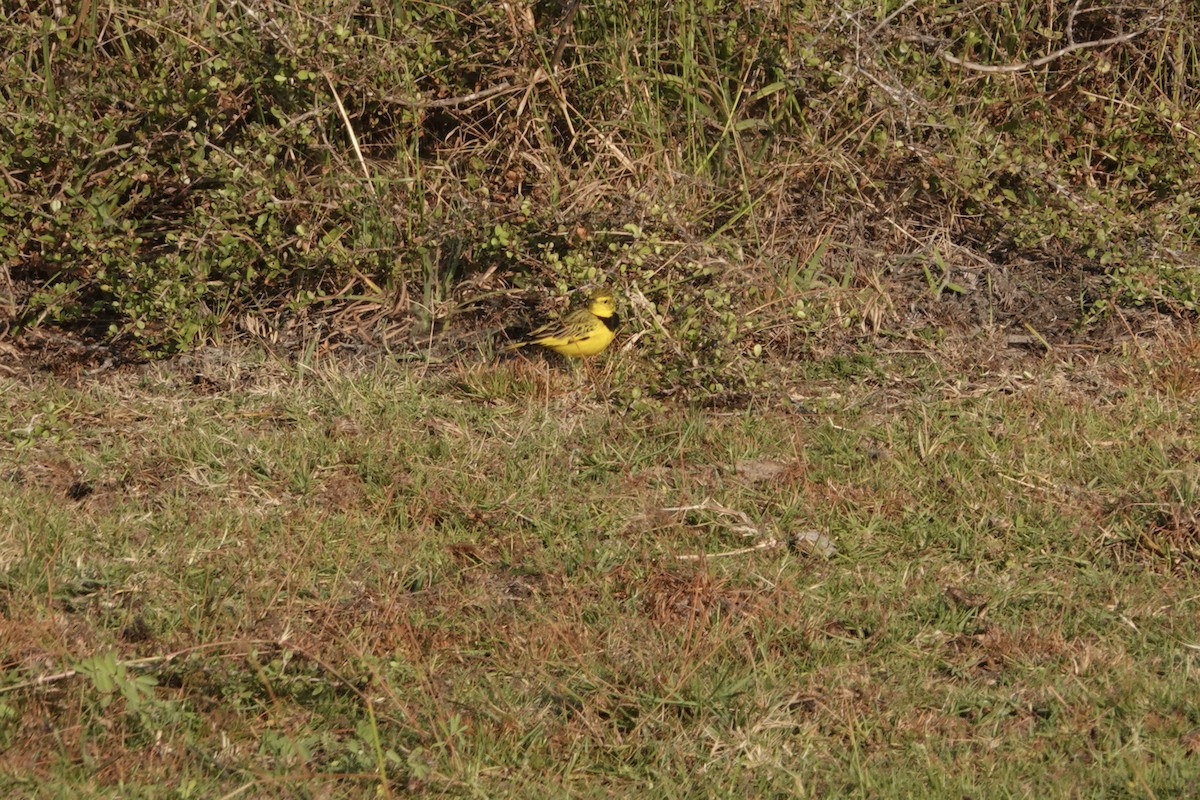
x=585, y=332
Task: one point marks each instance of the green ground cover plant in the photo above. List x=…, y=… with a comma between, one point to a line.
x=750, y=172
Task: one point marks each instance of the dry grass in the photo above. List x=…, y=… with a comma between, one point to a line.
x=223, y=577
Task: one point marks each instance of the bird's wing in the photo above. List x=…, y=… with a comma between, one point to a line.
x=575, y=326
x=579, y=325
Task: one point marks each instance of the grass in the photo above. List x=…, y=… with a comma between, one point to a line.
x=752, y=551
x=225, y=578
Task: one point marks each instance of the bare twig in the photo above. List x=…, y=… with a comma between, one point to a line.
x=350, y=130
x=1071, y=21
x=768, y=544
x=1046, y=59
x=746, y=528
x=565, y=27
x=887, y=20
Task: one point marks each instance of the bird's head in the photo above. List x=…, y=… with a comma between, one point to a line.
x=601, y=304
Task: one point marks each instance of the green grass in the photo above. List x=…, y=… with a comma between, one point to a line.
x=379, y=580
